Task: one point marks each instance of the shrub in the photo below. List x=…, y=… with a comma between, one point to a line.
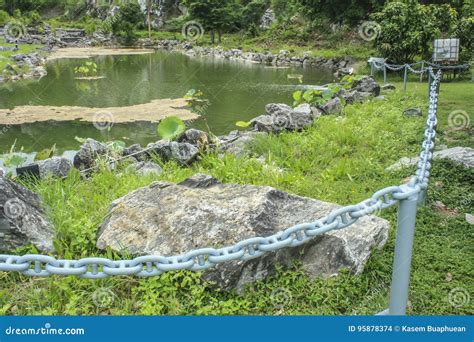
x=4, y=17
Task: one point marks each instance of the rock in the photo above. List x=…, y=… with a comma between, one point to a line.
x=278, y=109
x=145, y=168
x=183, y=153
x=135, y=151
x=195, y=137
x=388, y=86
x=368, y=85
x=333, y=106
x=22, y=219
x=413, y=112
x=304, y=109
x=237, y=142
x=263, y=123
x=470, y=219
x=380, y=98
x=88, y=153
x=55, y=166
x=170, y=219
x=461, y=155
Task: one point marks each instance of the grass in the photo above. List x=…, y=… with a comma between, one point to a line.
x=339, y=160
x=22, y=49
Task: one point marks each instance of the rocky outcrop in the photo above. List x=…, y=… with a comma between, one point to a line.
x=145, y=168
x=367, y=85
x=237, y=142
x=195, y=137
x=88, y=154
x=280, y=117
x=183, y=153
x=55, y=167
x=461, y=155
x=22, y=219
x=170, y=219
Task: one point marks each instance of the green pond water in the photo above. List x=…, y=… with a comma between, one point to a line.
x=236, y=91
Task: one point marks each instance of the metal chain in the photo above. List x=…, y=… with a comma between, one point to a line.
x=204, y=258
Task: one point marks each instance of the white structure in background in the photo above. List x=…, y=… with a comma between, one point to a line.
x=268, y=18
x=446, y=50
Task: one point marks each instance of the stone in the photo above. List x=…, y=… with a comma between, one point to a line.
x=195, y=137
x=380, y=98
x=333, y=106
x=413, y=112
x=22, y=219
x=304, y=109
x=145, y=168
x=470, y=219
x=460, y=155
x=278, y=109
x=237, y=143
x=55, y=166
x=135, y=151
x=169, y=219
x=183, y=153
x=388, y=86
x=368, y=85
x=88, y=154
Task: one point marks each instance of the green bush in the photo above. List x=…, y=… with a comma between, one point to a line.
x=4, y=17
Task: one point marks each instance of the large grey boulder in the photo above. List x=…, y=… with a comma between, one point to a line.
x=460, y=155
x=55, y=166
x=170, y=219
x=237, y=142
x=368, y=85
x=333, y=106
x=183, y=153
x=22, y=219
x=280, y=117
x=195, y=137
x=88, y=154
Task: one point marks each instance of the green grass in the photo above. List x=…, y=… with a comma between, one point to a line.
x=22, y=49
x=339, y=160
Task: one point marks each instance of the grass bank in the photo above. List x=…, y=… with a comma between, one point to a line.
x=339, y=160
x=22, y=49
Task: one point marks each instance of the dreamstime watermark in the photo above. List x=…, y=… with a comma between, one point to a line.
x=192, y=30
x=14, y=208
x=459, y=297
x=103, y=120
x=281, y=297
x=369, y=30
x=103, y=297
x=46, y=330
x=459, y=120
x=14, y=30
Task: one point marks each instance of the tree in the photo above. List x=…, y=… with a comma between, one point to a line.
x=407, y=29
x=215, y=15
x=126, y=21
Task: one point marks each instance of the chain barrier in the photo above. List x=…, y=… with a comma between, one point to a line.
x=204, y=258
x=423, y=69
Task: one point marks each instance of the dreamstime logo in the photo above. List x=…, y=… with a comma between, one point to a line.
x=192, y=30
x=103, y=297
x=459, y=120
x=103, y=120
x=14, y=30
x=459, y=297
x=14, y=208
x=281, y=297
x=369, y=30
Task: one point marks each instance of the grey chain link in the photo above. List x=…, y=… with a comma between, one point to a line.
x=204, y=258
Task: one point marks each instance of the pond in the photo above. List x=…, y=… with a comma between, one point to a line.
x=236, y=91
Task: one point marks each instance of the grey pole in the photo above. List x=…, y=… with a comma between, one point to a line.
x=403, y=253
x=422, y=67
x=384, y=74
x=405, y=79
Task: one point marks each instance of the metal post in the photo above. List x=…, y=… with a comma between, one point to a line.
x=405, y=79
x=371, y=68
x=384, y=74
x=422, y=67
x=429, y=84
x=403, y=253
